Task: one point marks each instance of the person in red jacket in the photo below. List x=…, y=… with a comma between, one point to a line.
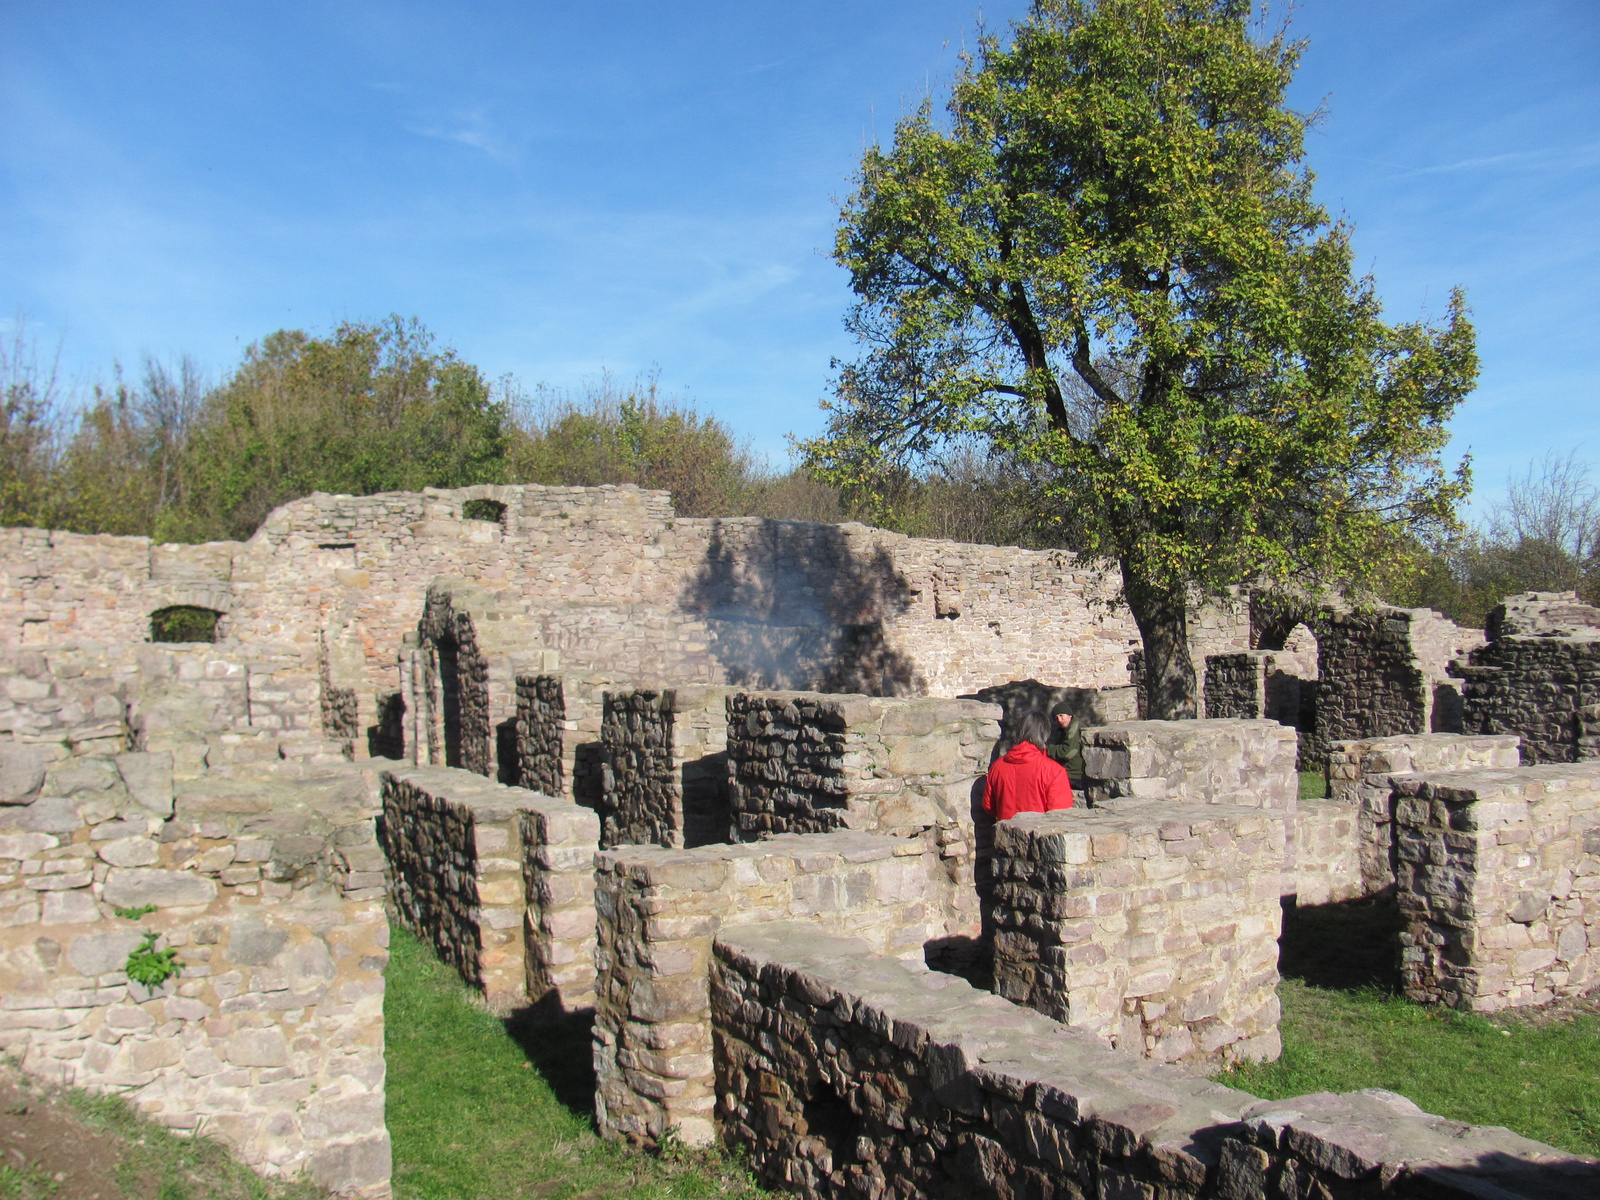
x=1026, y=779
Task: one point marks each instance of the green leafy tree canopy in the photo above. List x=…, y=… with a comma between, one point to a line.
x=1108, y=261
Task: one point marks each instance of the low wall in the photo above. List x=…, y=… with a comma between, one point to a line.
x=847, y=1075
x=559, y=719
x=1154, y=927
x=271, y=1036
x=559, y=839
x=1245, y=763
x=1362, y=773
x=1498, y=882
x=1090, y=706
x=666, y=767
x=658, y=911
x=454, y=845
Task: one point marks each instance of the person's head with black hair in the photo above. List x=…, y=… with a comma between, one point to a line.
x=1033, y=728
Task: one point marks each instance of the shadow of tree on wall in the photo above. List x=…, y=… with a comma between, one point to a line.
x=790, y=604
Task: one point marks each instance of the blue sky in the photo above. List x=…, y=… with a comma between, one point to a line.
x=561, y=188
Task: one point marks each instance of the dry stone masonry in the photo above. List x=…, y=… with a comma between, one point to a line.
x=1153, y=926
x=1362, y=774
x=665, y=767
x=1498, y=880
x=658, y=912
x=851, y=1075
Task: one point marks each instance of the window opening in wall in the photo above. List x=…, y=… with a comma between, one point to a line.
x=336, y=545
x=483, y=510
x=184, y=623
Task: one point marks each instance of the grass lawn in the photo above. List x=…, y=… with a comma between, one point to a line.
x=479, y=1109
x=1313, y=785
x=1345, y=1029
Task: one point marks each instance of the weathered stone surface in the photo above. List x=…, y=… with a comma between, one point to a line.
x=1152, y=925
x=665, y=764
x=148, y=778
x=131, y=887
x=22, y=770
x=850, y=1075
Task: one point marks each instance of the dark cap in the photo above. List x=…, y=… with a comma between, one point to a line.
x=1062, y=709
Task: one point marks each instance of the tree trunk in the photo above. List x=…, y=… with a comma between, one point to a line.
x=1161, y=612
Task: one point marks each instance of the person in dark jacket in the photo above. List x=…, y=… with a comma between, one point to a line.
x=1025, y=779
x=1066, y=743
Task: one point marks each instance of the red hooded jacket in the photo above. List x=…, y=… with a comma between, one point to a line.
x=1025, y=780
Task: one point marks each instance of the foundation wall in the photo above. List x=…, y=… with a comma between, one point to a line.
x=1154, y=927
x=658, y=911
x=848, y=1075
x=1245, y=763
x=1498, y=881
x=1544, y=689
x=559, y=840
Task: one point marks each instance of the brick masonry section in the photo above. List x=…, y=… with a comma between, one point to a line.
x=1153, y=927
x=658, y=911
x=1498, y=883
x=848, y=1075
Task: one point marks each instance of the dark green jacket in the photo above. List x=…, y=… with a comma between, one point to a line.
x=1066, y=747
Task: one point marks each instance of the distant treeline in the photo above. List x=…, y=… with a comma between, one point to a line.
x=381, y=407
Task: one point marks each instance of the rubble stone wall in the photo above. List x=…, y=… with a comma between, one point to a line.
x=610, y=579
x=454, y=846
x=270, y=1037
x=559, y=840
x=849, y=1075
x=1221, y=761
x=1362, y=773
x=1498, y=882
x=1544, y=689
x=658, y=911
x=541, y=735
x=665, y=767
x=1326, y=855
x=1154, y=926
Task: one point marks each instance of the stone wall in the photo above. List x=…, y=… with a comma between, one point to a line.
x=1498, y=882
x=559, y=840
x=571, y=744
x=1362, y=774
x=1090, y=706
x=271, y=1036
x=1326, y=855
x=454, y=846
x=610, y=579
x=658, y=911
x=1226, y=761
x=665, y=756
x=541, y=735
x=1543, y=687
x=847, y=1075
x=1154, y=926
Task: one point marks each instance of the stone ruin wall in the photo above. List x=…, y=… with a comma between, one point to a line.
x=1498, y=881
x=1153, y=926
x=608, y=578
x=665, y=768
x=658, y=912
x=271, y=1035
x=850, y=1075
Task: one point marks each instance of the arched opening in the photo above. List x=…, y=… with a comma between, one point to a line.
x=483, y=510
x=184, y=623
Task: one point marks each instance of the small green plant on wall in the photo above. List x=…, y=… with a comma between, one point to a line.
x=150, y=966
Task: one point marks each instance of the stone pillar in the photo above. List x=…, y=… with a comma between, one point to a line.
x=1498, y=882
x=1154, y=926
x=559, y=840
x=666, y=767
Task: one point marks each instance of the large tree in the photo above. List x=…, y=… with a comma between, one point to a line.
x=1107, y=263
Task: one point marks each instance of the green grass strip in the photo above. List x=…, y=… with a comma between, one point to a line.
x=480, y=1109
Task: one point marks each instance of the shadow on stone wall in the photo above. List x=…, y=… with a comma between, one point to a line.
x=791, y=605
x=1347, y=946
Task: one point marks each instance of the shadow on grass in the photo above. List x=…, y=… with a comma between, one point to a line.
x=1348, y=946
x=560, y=1047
